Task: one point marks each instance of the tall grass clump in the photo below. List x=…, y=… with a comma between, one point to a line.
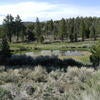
x=38, y=74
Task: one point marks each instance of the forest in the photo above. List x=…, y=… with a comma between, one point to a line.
x=71, y=29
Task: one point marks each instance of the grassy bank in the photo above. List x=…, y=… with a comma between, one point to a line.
x=85, y=59
x=24, y=47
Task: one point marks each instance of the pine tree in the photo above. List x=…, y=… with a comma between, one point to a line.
x=62, y=29
x=38, y=30
x=18, y=26
x=5, y=49
x=82, y=29
x=8, y=26
x=71, y=30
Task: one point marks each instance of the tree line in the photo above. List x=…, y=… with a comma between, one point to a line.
x=72, y=29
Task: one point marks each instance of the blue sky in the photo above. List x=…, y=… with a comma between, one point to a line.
x=49, y=9
x=76, y=2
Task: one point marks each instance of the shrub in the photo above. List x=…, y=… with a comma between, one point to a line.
x=95, y=57
x=39, y=74
x=41, y=39
x=5, y=95
x=9, y=76
x=5, y=52
x=5, y=49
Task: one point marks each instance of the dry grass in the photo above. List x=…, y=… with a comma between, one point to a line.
x=36, y=84
x=84, y=59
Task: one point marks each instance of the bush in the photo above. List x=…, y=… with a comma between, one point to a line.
x=9, y=76
x=5, y=95
x=5, y=49
x=41, y=39
x=39, y=74
x=36, y=84
x=95, y=57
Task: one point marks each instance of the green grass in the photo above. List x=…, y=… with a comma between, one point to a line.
x=22, y=48
x=82, y=46
x=85, y=59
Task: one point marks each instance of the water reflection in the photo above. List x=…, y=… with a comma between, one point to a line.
x=61, y=53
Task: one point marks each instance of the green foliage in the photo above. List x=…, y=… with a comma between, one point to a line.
x=12, y=27
x=5, y=95
x=82, y=29
x=38, y=30
x=93, y=30
x=5, y=49
x=62, y=29
x=9, y=26
x=95, y=57
x=41, y=39
x=1, y=31
x=72, y=29
x=18, y=26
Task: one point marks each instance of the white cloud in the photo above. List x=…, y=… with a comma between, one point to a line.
x=44, y=10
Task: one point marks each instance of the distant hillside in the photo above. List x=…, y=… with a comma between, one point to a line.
x=27, y=23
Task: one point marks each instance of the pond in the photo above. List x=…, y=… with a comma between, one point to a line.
x=56, y=53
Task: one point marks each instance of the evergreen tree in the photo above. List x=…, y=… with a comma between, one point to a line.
x=30, y=33
x=93, y=31
x=56, y=31
x=5, y=49
x=82, y=29
x=1, y=31
x=8, y=26
x=38, y=31
x=23, y=32
x=76, y=28
x=18, y=26
x=51, y=25
x=62, y=29
x=87, y=22
x=71, y=30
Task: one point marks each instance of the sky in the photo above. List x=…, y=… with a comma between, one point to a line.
x=48, y=9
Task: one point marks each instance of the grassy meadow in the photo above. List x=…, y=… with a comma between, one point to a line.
x=84, y=47
x=53, y=46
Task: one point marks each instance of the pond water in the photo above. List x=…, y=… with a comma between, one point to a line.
x=56, y=53
x=66, y=53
